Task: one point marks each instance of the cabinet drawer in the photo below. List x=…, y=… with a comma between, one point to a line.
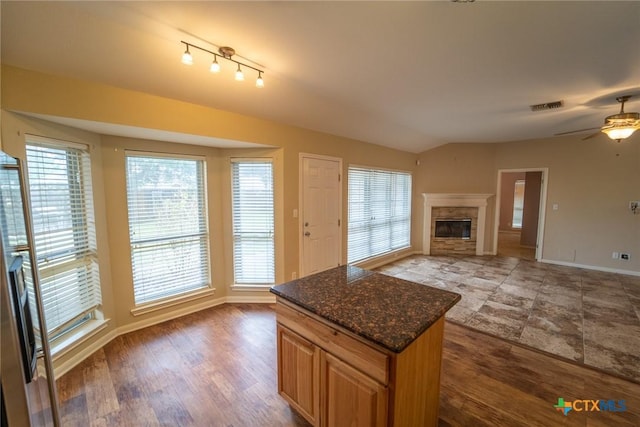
x=361, y=356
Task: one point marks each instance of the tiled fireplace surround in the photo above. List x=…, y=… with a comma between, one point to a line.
x=454, y=206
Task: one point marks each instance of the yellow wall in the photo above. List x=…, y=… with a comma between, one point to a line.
x=27, y=91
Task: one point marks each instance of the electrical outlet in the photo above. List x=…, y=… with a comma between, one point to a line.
x=294, y=275
x=615, y=255
x=625, y=257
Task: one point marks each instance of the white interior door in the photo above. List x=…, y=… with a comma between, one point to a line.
x=321, y=214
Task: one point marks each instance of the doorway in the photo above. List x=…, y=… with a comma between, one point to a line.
x=520, y=208
x=321, y=213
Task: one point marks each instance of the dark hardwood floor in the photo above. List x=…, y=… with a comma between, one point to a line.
x=217, y=367
x=487, y=381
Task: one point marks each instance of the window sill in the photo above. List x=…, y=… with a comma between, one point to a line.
x=252, y=288
x=171, y=301
x=75, y=337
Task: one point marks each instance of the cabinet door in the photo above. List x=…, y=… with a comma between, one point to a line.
x=351, y=398
x=298, y=373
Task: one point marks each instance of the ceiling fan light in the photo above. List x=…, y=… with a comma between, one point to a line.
x=619, y=133
x=616, y=126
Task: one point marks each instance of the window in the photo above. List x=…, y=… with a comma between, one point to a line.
x=64, y=232
x=518, y=203
x=379, y=212
x=253, y=224
x=168, y=228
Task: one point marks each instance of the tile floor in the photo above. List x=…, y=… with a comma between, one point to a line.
x=587, y=316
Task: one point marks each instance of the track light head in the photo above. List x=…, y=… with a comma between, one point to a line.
x=215, y=66
x=239, y=74
x=187, y=59
x=259, y=81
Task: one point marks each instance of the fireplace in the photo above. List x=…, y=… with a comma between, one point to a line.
x=450, y=228
x=454, y=223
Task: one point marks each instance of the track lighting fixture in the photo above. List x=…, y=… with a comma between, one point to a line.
x=223, y=52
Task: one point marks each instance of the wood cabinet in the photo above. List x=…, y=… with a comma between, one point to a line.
x=351, y=397
x=298, y=373
x=335, y=378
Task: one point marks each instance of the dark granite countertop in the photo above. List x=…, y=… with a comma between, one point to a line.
x=389, y=311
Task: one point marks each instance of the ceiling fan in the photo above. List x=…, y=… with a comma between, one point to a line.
x=617, y=126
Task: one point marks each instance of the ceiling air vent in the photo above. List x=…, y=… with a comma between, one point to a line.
x=547, y=106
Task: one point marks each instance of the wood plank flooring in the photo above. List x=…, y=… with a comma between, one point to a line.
x=487, y=381
x=217, y=367
x=509, y=246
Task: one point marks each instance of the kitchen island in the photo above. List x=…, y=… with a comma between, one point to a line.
x=359, y=348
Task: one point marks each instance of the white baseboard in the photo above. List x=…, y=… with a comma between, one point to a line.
x=591, y=267
x=59, y=369
x=171, y=315
x=386, y=259
x=264, y=299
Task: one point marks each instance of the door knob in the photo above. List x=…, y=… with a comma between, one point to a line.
x=307, y=234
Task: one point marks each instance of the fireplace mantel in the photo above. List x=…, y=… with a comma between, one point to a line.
x=454, y=200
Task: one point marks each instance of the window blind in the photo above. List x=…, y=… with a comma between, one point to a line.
x=64, y=231
x=168, y=229
x=253, y=222
x=379, y=212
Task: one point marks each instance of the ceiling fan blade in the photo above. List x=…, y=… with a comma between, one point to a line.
x=593, y=135
x=574, y=131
